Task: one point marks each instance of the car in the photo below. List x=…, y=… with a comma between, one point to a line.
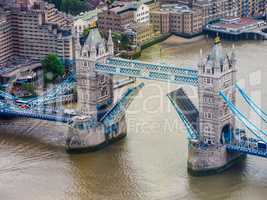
x=24, y=106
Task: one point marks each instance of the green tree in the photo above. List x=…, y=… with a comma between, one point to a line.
x=86, y=32
x=52, y=67
x=2, y=87
x=121, y=39
x=73, y=6
x=29, y=87
x=70, y=6
x=56, y=2
x=124, y=41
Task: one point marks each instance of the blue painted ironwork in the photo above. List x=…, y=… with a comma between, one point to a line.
x=163, y=68
x=9, y=112
x=150, y=71
x=192, y=134
x=52, y=95
x=118, y=110
x=243, y=119
x=252, y=104
x=60, y=89
x=249, y=146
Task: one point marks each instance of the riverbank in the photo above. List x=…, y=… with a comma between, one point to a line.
x=168, y=40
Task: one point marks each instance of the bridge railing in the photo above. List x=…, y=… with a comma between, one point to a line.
x=118, y=110
x=163, y=68
x=146, y=74
x=249, y=146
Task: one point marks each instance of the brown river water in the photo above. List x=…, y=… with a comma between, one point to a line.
x=151, y=163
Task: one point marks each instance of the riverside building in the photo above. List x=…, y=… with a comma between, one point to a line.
x=32, y=30
x=177, y=18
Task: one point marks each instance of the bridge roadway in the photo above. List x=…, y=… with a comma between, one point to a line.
x=249, y=146
x=6, y=112
x=138, y=69
x=58, y=115
x=118, y=110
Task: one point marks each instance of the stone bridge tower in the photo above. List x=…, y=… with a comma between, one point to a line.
x=95, y=91
x=217, y=73
x=216, y=123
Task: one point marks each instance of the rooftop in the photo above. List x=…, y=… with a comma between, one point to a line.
x=12, y=68
x=85, y=16
x=120, y=7
x=175, y=8
x=235, y=24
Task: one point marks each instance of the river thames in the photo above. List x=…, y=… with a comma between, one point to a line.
x=151, y=163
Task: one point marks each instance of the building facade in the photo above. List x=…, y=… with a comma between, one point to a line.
x=210, y=10
x=140, y=33
x=176, y=18
x=213, y=10
x=85, y=20
x=115, y=19
x=141, y=14
x=35, y=32
x=120, y=15
x=6, y=44
x=95, y=91
x=252, y=8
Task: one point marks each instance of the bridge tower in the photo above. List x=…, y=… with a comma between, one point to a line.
x=216, y=124
x=95, y=91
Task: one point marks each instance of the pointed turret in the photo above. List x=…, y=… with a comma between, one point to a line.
x=216, y=58
x=201, y=63
x=94, y=45
x=78, y=47
x=110, y=44
x=233, y=57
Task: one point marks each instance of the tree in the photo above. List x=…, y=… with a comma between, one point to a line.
x=73, y=6
x=29, y=88
x=52, y=67
x=86, y=32
x=2, y=87
x=124, y=41
x=121, y=39
x=70, y=6
x=56, y=2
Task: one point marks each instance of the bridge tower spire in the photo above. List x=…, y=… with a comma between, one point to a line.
x=95, y=91
x=110, y=43
x=216, y=123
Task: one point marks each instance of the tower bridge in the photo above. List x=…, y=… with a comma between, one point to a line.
x=214, y=140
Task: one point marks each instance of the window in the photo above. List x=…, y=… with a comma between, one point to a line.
x=207, y=115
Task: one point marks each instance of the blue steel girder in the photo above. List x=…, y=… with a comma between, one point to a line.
x=34, y=115
x=192, y=134
x=138, y=69
x=252, y=104
x=153, y=67
x=118, y=110
x=50, y=95
x=246, y=149
x=243, y=119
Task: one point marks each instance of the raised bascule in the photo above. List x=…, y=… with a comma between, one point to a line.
x=215, y=142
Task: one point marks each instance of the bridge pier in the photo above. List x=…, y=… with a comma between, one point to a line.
x=95, y=98
x=210, y=160
x=216, y=123
x=82, y=139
